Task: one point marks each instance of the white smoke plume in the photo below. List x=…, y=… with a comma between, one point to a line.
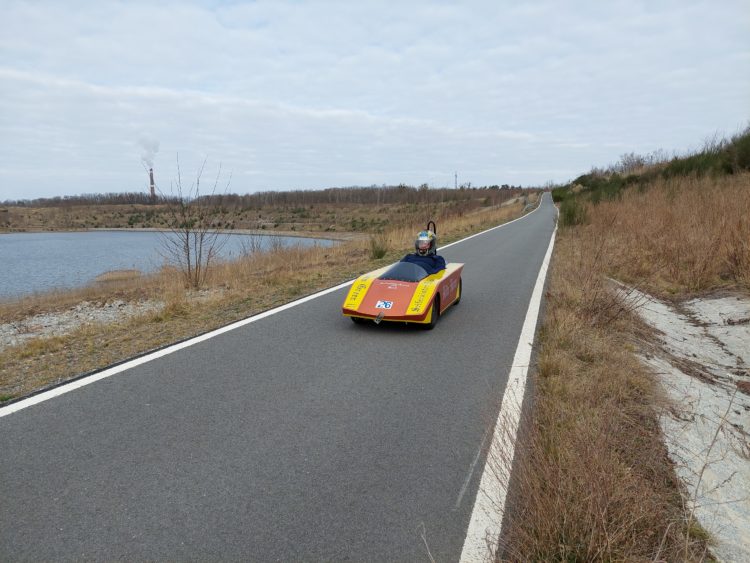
x=150, y=147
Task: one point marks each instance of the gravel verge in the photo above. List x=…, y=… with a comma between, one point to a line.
x=64, y=322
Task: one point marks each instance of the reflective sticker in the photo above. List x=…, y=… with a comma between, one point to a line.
x=384, y=304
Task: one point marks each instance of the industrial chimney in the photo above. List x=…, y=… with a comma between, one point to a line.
x=153, y=188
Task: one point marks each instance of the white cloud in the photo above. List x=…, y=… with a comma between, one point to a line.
x=294, y=95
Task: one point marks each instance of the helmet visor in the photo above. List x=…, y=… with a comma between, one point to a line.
x=423, y=244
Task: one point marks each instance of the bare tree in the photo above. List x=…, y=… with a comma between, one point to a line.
x=194, y=239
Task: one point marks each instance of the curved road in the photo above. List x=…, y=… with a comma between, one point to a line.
x=298, y=437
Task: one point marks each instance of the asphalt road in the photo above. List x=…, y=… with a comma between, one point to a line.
x=297, y=437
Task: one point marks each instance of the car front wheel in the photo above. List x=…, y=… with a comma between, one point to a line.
x=434, y=314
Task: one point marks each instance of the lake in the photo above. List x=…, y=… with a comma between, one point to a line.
x=37, y=262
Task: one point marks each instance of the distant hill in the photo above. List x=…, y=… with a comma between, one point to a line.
x=334, y=209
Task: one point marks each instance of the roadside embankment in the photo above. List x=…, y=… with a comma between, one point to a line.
x=601, y=473
x=592, y=477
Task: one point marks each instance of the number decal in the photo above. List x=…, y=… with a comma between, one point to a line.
x=384, y=304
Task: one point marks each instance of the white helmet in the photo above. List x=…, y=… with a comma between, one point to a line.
x=426, y=243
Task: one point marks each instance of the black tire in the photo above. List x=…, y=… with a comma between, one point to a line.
x=460, y=291
x=358, y=320
x=434, y=314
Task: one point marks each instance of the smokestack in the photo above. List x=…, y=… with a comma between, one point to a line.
x=153, y=188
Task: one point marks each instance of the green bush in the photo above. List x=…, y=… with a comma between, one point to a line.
x=700, y=163
x=738, y=152
x=717, y=157
x=559, y=194
x=572, y=212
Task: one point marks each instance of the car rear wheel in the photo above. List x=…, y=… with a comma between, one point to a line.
x=358, y=320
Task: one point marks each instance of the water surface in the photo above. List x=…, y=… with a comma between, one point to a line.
x=37, y=262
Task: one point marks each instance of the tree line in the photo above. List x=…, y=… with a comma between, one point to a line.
x=377, y=195
x=123, y=198
x=373, y=195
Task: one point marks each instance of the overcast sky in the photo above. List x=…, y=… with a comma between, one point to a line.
x=290, y=95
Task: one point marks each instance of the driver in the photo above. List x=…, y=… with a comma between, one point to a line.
x=426, y=253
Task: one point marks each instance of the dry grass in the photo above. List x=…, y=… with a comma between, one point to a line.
x=118, y=276
x=233, y=290
x=680, y=235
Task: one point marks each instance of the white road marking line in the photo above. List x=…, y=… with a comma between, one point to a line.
x=496, y=227
x=487, y=515
x=46, y=395
x=107, y=372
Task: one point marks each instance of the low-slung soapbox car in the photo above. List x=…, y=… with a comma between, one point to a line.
x=404, y=292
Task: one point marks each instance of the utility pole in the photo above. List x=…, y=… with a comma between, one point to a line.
x=455, y=180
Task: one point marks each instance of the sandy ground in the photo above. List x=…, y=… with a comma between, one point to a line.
x=702, y=357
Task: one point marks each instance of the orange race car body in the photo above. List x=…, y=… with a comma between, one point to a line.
x=404, y=292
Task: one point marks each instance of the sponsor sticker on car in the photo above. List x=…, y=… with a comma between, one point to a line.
x=384, y=304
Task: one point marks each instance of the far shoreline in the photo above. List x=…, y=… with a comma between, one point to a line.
x=324, y=235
